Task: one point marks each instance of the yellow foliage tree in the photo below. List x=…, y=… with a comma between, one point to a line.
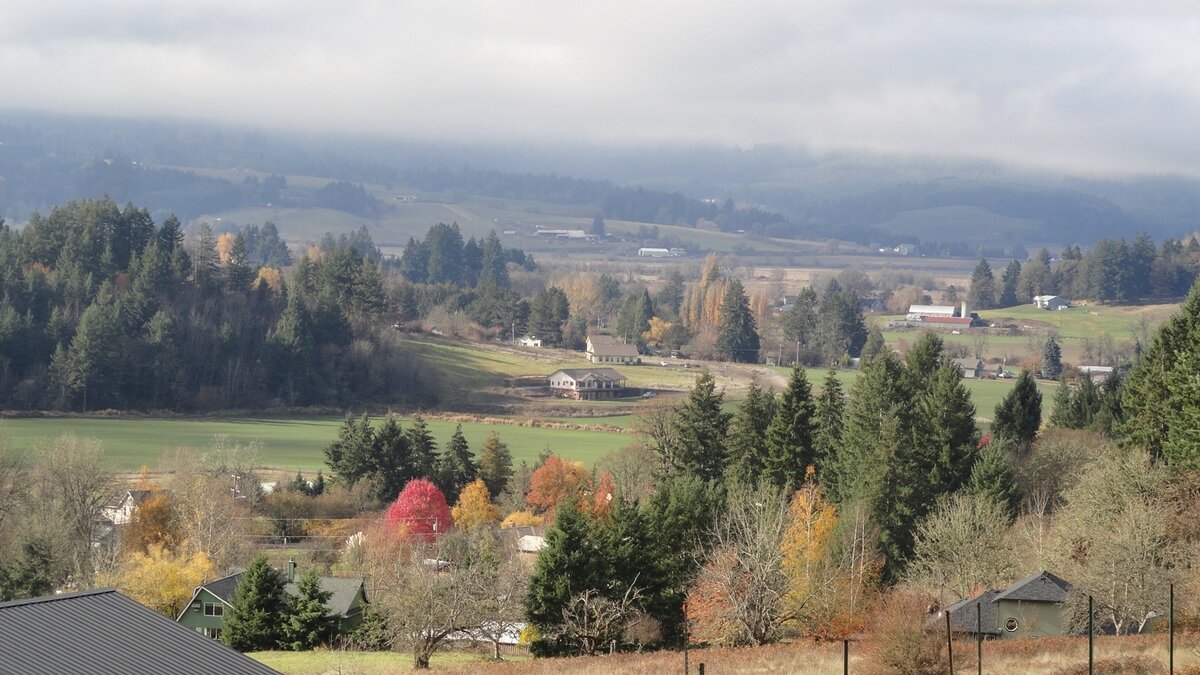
x=160, y=579
x=154, y=523
x=521, y=519
x=225, y=246
x=272, y=277
x=806, y=547
x=658, y=331
x=475, y=507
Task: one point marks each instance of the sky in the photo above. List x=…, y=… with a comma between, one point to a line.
x=1101, y=86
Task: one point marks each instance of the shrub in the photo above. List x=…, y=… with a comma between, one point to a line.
x=1124, y=665
x=899, y=642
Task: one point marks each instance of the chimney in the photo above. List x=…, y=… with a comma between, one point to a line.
x=291, y=573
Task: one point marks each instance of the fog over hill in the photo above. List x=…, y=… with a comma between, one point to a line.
x=48, y=159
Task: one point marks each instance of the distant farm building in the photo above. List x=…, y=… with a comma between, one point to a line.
x=606, y=349
x=654, y=253
x=530, y=341
x=971, y=369
x=1031, y=607
x=1050, y=302
x=1097, y=374
x=120, y=509
x=936, y=316
x=587, y=384
x=563, y=234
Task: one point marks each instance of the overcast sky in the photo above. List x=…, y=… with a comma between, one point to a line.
x=1093, y=85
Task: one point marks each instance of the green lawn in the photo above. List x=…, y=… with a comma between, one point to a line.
x=286, y=443
x=1090, y=321
x=360, y=663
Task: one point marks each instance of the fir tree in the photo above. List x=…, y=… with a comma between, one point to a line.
x=422, y=446
x=393, y=464
x=568, y=564
x=700, y=430
x=253, y=622
x=1051, y=359
x=351, y=455
x=306, y=622
x=1008, y=285
x=495, y=465
x=983, y=287
x=993, y=477
x=737, y=336
x=456, y=466
x=829, y=413
x=948, y=422
x=790, y=435
x=748, y=434
x=874, y=345
x=1019, y=414
x=1064, y=413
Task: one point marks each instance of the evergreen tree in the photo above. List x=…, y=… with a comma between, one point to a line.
x=634, y=317
x=737, y=336
x=1161, y=399
x=1051, y=359
x=841, y=330
x=351, y=456
x=445, y=246
x=238, y=271
x=93, y=357
x=983, y=287
x=671, y=296
x=829, y=412
x=1064, y=413
x=292, y=349
x=874, y=346
x=253, y=621
x=456, y=466
x=948, y=421
x=800, y=324
x=495, y=465
x=414, y=262
x=993, y=477
x=306, y=623
x=493, y=267
x=422, y=446
x=547, y=314
x=748, y=435
x=204, y=260
x=393, y=465
x=790, y=435
x=1008, y=285
x=700, y=430
x=597, y=229
x=877, y=394
x=1019, y=414
x=922, y=362
x=568, y=564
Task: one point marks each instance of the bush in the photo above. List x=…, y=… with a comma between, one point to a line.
x=899, y=643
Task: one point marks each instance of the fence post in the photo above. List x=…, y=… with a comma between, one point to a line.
x=846, y=657
x=1171, y=630
x=1091, y=638
x=701, y=668
x=949, y=642
x=979, y=638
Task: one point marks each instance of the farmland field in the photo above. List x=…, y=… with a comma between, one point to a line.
x=286, y=443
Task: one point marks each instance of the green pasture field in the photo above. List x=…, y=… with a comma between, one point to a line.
x=287, y=443
x=1085, y=321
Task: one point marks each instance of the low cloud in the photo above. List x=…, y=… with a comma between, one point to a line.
x=1090, y=86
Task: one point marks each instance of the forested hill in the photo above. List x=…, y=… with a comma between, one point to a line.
x=102, y=307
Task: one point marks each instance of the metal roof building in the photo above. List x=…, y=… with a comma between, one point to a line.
x=101, y=632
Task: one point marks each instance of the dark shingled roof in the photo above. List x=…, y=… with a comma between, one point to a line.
x=963, y=614
x=344, y=590
x=578, y=374
x=101, y=632
x=1040, y=587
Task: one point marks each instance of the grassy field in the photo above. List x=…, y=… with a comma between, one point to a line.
x=363, y=663
x=284, y=443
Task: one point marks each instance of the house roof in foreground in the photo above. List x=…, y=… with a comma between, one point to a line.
x=340, y=603
x=963, y=614
x=105, y=632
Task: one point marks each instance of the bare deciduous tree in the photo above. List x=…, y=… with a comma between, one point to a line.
x=75, y=481
x=592, y=621
x=962, y=546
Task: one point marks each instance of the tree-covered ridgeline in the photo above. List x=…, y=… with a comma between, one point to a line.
x=101, y=307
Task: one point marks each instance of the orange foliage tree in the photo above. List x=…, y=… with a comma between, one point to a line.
x=808, y=560
x=554, y=481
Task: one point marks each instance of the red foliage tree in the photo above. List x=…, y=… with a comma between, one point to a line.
x=422, y=511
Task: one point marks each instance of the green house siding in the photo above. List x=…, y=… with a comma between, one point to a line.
x=207, y=620
x=1016, y=618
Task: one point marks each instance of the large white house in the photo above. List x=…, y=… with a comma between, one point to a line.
x=587, y=384
x=606, y=349
x=1050, y=302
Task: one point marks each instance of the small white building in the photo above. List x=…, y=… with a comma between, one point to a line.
x=120, y=510
x=530, y=341
x=1097, y=374
x=654, y=253
x=1050, y=302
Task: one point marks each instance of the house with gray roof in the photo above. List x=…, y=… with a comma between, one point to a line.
x=606, y=349
x=102, y=632
x=587, y=384
x=205, y=612
x=971, y=369
x=1032, y=607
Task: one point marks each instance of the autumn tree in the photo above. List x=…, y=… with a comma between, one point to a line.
x=475, y=508
x=555, y=482
x=421, y=510
x=159, y=578
x=808, y=557
x=153, y=523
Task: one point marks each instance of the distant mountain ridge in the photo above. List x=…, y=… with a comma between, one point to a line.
x=950, y=206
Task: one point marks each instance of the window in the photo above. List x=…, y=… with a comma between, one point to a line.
x=1011, y=625
x=213, y=609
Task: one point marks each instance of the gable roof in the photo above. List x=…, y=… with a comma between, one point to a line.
x=597, y=340
x=138, y=496
x=1040, y=587
x=963, y=614
x=615, y=349
x=968, y=364
x=580, y=374
x=105, y=632
x=344, y=590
